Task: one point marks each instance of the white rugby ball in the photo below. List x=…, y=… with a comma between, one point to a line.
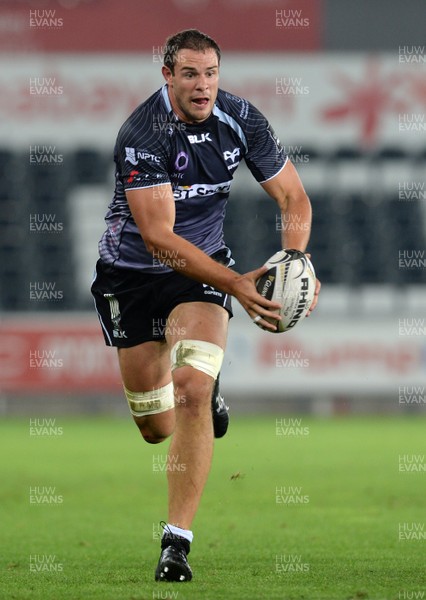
x=290, y=281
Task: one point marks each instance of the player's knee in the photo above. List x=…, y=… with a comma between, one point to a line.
x=152, y=438
x=192, y=389
x=151, y=435
x=195, y=366
x=152, y=412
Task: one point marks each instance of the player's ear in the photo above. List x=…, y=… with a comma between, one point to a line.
x=167, y=74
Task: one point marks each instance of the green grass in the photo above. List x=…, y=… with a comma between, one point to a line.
x=101, y=535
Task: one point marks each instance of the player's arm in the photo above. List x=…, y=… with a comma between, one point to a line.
x=296, y=214
x=153, y=210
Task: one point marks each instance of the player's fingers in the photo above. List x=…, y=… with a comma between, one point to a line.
x=268, y=304
x=259, y=321
x=268, y=325
x=270, y=315
x=259, y=310
x=316, y=294
x=254, y=275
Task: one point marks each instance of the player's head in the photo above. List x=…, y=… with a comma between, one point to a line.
x=191, y=69
x=189, y=39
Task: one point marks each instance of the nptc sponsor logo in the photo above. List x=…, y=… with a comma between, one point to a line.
x=133, y=156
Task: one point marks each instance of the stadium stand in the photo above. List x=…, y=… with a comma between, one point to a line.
x=357, y=216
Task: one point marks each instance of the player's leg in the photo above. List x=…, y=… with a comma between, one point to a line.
x=145, y=371
x=126, y=308
x=197, y=353
x=220, y=411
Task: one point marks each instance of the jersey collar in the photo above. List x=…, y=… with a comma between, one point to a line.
x=166, y=99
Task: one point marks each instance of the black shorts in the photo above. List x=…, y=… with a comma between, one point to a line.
x=133, y=307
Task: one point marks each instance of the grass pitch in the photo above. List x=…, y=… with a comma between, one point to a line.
x=321, y=512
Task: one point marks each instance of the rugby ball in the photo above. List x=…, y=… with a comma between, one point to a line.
x=290, y=280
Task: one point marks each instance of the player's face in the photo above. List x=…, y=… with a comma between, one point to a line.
x=193, y=86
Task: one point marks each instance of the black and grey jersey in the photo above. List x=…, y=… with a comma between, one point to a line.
x=154, y=148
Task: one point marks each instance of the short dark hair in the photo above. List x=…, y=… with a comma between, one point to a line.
x=192, y=39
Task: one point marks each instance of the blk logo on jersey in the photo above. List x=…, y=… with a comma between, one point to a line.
x=133, y=156
x=199, y=139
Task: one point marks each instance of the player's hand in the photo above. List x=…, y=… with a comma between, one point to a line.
x=253, y=303
x=316, y=293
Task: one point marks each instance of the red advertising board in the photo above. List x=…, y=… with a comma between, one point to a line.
x=52, y=356
x=67, y=354
x=141, y=25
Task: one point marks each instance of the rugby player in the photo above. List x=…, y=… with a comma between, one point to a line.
x=163, y=283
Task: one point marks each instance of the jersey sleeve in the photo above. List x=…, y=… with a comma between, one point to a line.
x=265, y=156
x=141, y=155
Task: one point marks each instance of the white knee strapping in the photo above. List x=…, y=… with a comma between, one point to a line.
x=157, y=401
x=204, y=356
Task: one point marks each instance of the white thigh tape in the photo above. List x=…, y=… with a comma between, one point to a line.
x=142, y=404
x=204, y=356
